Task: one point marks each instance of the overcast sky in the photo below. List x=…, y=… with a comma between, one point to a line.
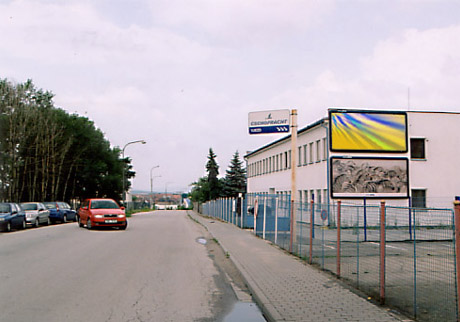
x=183, y=75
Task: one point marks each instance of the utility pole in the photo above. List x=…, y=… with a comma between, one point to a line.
x=293, y=238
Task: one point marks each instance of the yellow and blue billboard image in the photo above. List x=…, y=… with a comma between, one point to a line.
x=368, y=131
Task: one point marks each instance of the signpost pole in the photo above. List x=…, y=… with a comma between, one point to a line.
x=293, y=239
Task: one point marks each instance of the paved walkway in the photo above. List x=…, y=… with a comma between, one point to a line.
x=285, y=288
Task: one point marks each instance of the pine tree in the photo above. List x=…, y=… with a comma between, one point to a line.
x=213, y=171
x=235, y=178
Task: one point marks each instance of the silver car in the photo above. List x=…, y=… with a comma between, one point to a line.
x=36, y=213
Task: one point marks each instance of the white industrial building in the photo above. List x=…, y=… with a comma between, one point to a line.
x=433, y=151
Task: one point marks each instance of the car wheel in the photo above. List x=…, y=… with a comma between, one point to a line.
x=88, y=224
x=37, y=223
x=24, y=225
x=124, y=226
x=64, y=219
x=48, y=222
x=8, y=226
x=80, y=224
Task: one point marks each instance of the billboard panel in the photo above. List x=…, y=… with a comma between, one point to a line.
x=369, y=177
x=368, y=131
x=264, y=122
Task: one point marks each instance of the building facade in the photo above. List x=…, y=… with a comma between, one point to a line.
x=433, y=147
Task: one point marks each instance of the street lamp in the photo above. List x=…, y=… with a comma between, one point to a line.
x=151, y=183
x=124, y=167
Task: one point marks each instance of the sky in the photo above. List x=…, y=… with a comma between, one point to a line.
x=184, y=74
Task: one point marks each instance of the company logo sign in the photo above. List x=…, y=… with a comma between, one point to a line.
x=265, y=122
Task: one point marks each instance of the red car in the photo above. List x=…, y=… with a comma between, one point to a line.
x=101, y=213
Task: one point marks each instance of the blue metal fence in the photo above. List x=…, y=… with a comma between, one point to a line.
x=419, y=266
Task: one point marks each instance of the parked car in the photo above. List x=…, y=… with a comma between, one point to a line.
x=101, y=213
x=36, y=213
x=12, y=216
x=60, y=211
x=260, y=210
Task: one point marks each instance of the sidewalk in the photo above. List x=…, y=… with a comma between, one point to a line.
x=285, y=288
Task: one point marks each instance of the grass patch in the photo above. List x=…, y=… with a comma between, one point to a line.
x=129, y=213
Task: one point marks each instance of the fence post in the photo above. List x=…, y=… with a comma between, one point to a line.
x=382, y=252
x=365, y=220
x=339, y=216
x=242, y=210
x=276, y=219
x=256, y=209
x=311, y=231
x=265, y=217
x=457, y=251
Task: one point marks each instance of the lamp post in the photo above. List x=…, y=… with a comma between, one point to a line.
x=151, y=184
x=124, y=168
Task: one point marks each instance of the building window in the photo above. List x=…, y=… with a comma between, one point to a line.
x=277, y=166
x=417, y=148
x=419, y=198
x=285, y=160
x=311, y=152
x=290, y=159
x=318, y=197
x=305, y=154
x=300, y=156
x=324, y=149
x=318, y=151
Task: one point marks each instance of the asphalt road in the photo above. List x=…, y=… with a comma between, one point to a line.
x=154, y=271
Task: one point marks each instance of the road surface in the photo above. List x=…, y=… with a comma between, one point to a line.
x=156, y=270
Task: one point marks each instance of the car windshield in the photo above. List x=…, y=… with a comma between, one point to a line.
x=29, y=206
x=50, y=205
x=103, y=204
x=4, y=208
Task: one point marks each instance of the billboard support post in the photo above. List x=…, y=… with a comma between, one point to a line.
x=293, y=238
x=457, y=249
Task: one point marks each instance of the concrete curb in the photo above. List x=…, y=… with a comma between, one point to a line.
x=269, y=311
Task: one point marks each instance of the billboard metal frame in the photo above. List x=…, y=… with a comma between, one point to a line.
x=370, y=112
x=365, y=175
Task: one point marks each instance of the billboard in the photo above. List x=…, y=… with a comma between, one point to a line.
x=361, y=177
x=265, y=122
x=368, y=131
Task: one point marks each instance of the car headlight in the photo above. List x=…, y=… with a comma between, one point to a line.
x=2, y=219
x=121, y=216
x=99, y=216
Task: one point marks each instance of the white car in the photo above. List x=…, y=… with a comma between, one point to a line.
x=36, y=213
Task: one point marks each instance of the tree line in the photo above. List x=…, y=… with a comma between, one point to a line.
x=48, y=154
x=210, y=187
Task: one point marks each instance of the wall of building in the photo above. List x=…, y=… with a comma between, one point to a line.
x=311, y=164
x=437, y=173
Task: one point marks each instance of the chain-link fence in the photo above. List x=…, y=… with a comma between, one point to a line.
x=412, y=248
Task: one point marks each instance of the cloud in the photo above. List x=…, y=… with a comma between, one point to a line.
x=184, y=74
x=425, y=61
x=239, y=23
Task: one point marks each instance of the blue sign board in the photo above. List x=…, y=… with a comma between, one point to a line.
x=266, y=122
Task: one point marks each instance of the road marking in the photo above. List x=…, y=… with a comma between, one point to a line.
x=389, y=246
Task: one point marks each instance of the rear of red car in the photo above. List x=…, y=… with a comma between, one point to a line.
x=101, y=213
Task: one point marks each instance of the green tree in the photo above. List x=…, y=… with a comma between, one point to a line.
x=213, y=171
x=235, y=178
x=200, y=190
x=47, y=154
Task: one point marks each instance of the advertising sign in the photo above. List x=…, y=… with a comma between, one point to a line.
x=360, y=177
x=265, y=122
x=368, y=131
